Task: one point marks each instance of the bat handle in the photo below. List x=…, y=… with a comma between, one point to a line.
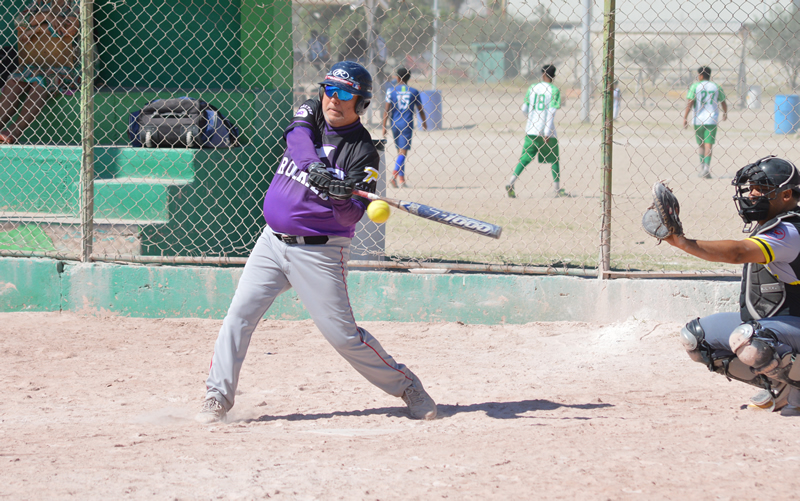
x=367, y=195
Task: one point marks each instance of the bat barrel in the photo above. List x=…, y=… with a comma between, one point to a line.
x=439, y=216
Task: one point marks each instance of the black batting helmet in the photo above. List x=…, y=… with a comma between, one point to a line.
x=352, y=77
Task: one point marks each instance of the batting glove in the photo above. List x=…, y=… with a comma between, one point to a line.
x=319, y=177
x=341, y=189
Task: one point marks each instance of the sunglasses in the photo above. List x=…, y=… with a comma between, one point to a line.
x=341, y=95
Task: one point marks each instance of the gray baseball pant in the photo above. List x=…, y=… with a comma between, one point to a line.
x=718, y=328
x=318, y=274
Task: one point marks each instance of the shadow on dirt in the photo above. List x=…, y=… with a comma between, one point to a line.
x=496, y=410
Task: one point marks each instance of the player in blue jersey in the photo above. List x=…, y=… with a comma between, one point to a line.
x=401, y=102
x=311, y=215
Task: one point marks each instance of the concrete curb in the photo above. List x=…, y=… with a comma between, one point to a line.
x=205, y=292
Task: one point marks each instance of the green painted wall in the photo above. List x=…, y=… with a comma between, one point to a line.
x=267, y=44
x=186, y=44
x=180, y=44
x=30, y=285
x=188, y=202
x=8, y=11
x=205, y=292
x=257, y=114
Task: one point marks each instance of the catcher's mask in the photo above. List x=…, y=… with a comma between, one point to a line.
x=771, y=173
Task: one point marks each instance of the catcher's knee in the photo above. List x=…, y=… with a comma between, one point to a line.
x=757, y=347
x=693, y=339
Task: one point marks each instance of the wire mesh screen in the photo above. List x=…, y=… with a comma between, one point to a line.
x=501, y=141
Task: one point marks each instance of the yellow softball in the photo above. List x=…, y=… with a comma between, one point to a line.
x=378, y=211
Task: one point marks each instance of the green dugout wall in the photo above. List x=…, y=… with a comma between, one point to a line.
x=235, y=55
x=205, y=292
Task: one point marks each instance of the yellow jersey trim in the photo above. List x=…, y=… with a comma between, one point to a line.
x=765, y=248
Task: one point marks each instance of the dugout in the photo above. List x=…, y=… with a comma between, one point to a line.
x=496, y=61
x=235, y=55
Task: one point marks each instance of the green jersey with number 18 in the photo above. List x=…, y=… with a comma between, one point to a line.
x=706, y=96
x=541, y=103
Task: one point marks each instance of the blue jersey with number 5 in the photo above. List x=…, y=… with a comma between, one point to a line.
x=404, y=101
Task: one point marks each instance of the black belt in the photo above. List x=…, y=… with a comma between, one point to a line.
x=293, y=240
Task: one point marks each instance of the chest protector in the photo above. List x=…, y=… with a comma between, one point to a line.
x=763, y=295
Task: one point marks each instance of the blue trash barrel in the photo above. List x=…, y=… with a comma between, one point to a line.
x=432, y=104
x=787, y=113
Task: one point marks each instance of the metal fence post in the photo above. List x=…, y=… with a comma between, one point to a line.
x=586, y=77
x=608, y=135
x=87, y=129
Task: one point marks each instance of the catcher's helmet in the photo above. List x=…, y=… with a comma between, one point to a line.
x=351, y=77
x=776, y=174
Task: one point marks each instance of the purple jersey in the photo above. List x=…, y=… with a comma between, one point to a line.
x=291, y=205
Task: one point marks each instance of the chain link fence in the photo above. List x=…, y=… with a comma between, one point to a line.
x=79, y=180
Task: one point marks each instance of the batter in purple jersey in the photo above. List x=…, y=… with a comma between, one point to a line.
x=311, y=215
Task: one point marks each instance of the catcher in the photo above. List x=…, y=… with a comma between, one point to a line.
x=757, y=345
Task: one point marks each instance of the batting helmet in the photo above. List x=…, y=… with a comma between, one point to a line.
x=351, y=77
x=776, y=174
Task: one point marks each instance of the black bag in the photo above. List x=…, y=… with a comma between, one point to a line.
x=8, y=63
x=182, y=122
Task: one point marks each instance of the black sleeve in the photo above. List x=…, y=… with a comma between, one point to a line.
x=366, y=167
x=308, y=115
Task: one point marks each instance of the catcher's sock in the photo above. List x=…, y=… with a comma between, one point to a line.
x=399, y=165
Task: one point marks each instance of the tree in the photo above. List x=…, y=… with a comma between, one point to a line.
x=653, y=57
x=407, y=28
x=533, y=35
x=777, y=38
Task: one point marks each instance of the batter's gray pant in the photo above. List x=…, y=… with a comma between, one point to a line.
x=318, y=274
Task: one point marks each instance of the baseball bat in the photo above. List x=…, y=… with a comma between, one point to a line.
x=438, y=215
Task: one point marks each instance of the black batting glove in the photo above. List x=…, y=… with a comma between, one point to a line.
x=319, y=177
x=341, y=189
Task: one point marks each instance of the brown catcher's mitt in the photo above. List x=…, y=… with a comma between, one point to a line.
x=662, y=218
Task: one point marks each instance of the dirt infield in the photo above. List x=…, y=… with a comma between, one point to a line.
x=101, y=408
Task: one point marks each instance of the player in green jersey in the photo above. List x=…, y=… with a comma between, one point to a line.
x=706, y=98
x=540, y=105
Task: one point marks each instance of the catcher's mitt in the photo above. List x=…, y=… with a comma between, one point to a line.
x=662, y=218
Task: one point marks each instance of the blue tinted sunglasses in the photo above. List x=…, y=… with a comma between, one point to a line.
x=341, y=95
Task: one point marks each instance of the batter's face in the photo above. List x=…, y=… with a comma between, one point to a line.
x=339, y=113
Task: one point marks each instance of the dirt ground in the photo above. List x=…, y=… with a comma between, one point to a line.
x=101, y=407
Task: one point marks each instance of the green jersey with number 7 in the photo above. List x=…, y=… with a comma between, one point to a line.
x=706, y=96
